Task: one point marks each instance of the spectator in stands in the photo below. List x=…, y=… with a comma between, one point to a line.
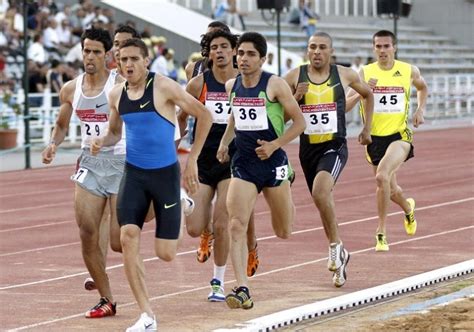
x=357, y=64
x=235, y=15
x=36, y=82
x=270, y=65
x=158, y=45
x=170, y=65
x=287, y=67
x=36, y=50
x=64, y=33
x=54, y=79
x=220, y=12
x=65, y=14
x=160, y=65
x=308, y=18
x=51, y=38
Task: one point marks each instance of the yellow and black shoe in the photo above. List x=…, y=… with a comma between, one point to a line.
x=239, y=299
x=381, y=244
x=410, y=221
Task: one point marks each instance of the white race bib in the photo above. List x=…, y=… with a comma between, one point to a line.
x=218, y=104
x=320, y=118
x=281, y=172
x=250, y=113
x=389, y=99
x=80, y=175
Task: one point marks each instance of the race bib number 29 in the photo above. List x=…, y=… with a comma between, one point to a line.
x=249, y=114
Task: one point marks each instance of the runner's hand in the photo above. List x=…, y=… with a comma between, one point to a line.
x=372, y=82
x=190, y=177
x=223, y=154
x=418, y=118
x=265, y=150
x=301, y=90
x=364, y=137
x=49, y=153
x=96, y=145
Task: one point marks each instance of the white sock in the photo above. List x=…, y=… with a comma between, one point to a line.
x=219, y=272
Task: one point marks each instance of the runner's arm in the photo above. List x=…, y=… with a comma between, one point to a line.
x=421, y=94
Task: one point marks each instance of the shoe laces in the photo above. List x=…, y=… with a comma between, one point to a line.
x=410, y=217
x=381, y=238
x=206, y=239
x=333, y=252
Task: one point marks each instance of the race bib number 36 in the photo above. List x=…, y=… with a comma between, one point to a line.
x=389, y=99
x=218, y=104
x=250, y=113
x=320, y=118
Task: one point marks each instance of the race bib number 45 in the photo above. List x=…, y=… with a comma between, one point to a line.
x=218, y=104
x=250, y=113
x=389, y=99
x=320, y=118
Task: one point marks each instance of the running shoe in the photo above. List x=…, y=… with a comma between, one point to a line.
x=217, y=291
x=187, y=203
x=205, y=247
x=335, y=256
x=410, y=221
x=144, y=323
x=292, y=177
x=339, y=277
x=252, y=262
x=381, y=244
x=89, y=284
x=239, y=298
x=102, y=309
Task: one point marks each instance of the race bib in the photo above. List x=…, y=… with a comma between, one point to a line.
x=320, y=118
x=281, y=172
x=80, y=175
x=389, y=99
x=250, y=113
x=218, y=104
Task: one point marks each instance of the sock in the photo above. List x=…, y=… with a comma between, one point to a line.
x=219, y=272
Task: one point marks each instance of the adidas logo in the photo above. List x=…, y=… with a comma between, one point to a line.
x=397, y=74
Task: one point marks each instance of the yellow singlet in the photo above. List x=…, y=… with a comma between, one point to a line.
x=391, y=97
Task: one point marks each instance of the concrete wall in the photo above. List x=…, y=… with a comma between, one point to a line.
x=453, y=18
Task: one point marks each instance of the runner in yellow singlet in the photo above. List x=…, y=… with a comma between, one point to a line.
x=392, y=139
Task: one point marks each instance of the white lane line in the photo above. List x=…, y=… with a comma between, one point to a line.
x=39, y=192
x=47, y=322
x=41, y=249
x=36, y=207
x=259, y=239
x=36, y=226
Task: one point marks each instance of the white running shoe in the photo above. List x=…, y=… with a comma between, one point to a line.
x=339, y=277
x=334, y=256
x=217, y=292
x=144, y=323
x=187, y=203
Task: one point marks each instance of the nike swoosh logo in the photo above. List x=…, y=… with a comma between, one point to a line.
x=143, y=105
x=148, y=325
x=99, y=106
x=169, y=206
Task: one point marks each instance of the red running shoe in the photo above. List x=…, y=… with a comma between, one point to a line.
x=102, y=309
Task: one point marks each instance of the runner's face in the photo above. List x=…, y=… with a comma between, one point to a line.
x=319, y=51
x=248, y=59
x=118, y=38
x=384, y=49
x=221, y=52
x=93, y=54
x=133, y=64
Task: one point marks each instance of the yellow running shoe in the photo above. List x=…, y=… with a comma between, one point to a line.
x=410, y=221
x=205, y=247
x=381, y=244
x=252, y=262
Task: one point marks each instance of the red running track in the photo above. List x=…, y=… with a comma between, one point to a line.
x=42, y=272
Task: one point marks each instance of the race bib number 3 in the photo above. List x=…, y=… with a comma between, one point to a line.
x=250, y=114
x=80, y=175
x=218, y=104
x=389, y=99
x=281, y=172
x=320, y=118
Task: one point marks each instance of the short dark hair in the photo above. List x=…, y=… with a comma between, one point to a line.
x=258, y=41
x=99, y=35
x=219, y=25
x=324, y=35
x=210, y=36
x=135, y=42
x=385, y=33
x=127, y=29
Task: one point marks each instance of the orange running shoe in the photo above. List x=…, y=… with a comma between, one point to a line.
x=252, y=262
x=102, y=309
x=205, y=247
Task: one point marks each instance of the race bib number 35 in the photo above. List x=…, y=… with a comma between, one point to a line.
x=320, y=118
x=389, y=99
x=250, y=114
x=218, y=104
